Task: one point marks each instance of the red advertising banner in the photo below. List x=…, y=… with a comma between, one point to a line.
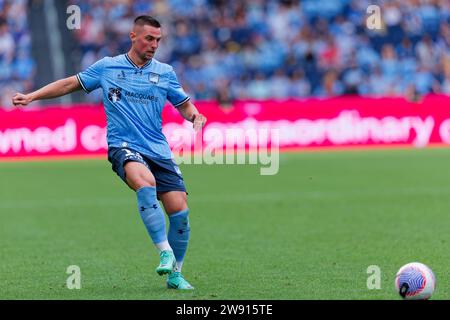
x=310, y=123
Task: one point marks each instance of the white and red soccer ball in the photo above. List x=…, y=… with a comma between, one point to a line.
x=415, y=281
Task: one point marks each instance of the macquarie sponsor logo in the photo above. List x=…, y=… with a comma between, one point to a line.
x=117, y=94
x=140, y=98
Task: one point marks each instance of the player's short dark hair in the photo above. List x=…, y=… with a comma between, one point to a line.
x=147, y=20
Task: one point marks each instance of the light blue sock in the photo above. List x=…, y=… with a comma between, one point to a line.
x=179, y=231
x=152, y=214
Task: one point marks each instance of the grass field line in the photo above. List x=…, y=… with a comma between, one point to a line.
x=321, y=195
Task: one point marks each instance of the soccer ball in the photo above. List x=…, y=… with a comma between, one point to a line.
x=415, y=281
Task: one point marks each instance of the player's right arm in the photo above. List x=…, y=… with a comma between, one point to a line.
x=53, y=90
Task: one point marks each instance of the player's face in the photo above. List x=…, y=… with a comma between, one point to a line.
x=145, y=40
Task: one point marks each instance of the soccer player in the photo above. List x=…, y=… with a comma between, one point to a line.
x=135, y=89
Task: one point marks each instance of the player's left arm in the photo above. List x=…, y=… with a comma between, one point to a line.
x=190, y=113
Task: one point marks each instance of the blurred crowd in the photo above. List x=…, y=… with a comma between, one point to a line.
x=259, y=49
x=16, y=62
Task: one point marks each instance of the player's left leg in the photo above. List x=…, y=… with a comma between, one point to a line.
x=172, y=193
x=175, y=205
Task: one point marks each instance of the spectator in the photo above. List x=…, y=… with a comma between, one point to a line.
x=331, y=85
x=298, y=85
x=279, y=85
x=259, y=88
x=7, y=45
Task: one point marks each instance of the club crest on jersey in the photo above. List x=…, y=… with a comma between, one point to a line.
x=114, y=94
x=153, y=77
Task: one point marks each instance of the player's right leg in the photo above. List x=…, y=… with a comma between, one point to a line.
x=133, y=169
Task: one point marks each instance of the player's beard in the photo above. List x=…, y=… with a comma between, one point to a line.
x=146, y=56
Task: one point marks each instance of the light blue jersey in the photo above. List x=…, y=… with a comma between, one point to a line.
x=133, y=98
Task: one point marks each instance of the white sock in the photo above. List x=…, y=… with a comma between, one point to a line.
x=163, y=246
x=179, y=265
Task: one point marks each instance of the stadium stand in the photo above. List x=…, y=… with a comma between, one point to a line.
x=16, y=62
x=259, y=49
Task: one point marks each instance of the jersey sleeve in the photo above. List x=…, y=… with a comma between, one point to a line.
x=176, y=94
x=90, y=78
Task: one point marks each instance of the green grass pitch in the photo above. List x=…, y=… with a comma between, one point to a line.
x=309, y=232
